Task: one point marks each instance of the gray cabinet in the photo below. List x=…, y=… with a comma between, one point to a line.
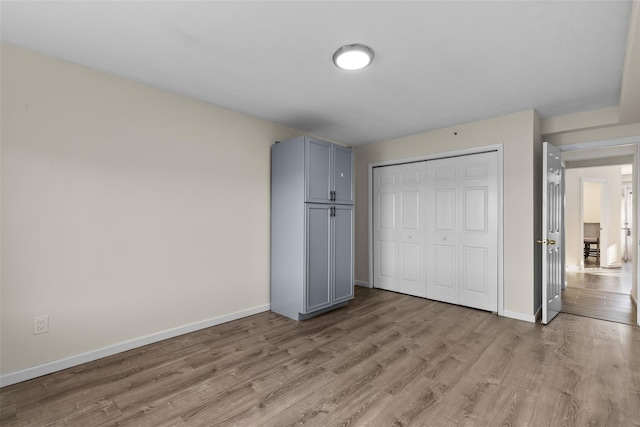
x=329, y=261
x=328, y=172
x=311, y=227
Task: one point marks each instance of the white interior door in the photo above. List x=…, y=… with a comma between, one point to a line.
x=462, y=230
x=399, y=228
x=552, y=241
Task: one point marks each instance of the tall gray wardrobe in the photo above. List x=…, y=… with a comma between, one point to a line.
x=311, y=227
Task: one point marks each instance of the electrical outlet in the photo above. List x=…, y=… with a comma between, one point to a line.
x=40, y=325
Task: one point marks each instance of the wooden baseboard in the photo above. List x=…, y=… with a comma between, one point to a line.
x=68, y=362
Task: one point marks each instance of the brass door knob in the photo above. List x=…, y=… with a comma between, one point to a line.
x=546, y=242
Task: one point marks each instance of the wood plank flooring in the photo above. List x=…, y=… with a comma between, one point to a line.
x=600, y=293
x=386, y=359
x=602, y=305
x=602, y=279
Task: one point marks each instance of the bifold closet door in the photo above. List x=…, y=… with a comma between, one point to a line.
x=398, y=200
x=462, y=229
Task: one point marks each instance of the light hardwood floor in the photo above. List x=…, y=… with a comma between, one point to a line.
x=384, y=360
x=600, y=293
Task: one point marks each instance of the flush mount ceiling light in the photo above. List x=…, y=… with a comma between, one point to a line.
x=353, y=57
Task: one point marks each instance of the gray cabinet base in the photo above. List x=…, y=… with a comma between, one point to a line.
x=301, y=316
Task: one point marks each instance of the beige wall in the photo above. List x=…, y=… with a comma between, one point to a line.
x=516, y=132
x=573, y=243
x=126, y=210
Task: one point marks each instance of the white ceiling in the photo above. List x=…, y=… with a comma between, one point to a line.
x=437, y=63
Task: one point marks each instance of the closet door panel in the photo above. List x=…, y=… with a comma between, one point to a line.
x=462, y=233
x=385, y=229
x=444, y=171
x=479, y=231
x=474, y=270
x=443, y=280
x=399, y=228
x=387, y=265
x=442, y=230
x=475, y=205
x=410, y=282
x=409, y=212
x=411, y=279
x=444, y=207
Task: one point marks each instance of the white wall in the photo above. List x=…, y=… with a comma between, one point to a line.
x=518, y=134
x=573, y=243
x=592, y=201
x=126, y=210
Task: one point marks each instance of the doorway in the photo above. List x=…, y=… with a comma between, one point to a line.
x=599, y=269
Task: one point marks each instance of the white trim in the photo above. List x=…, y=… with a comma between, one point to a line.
x=362, y=283
x=370, y=221
x=531, y=318
x=500, y=231
x=627, y=140
x=634, y=233
x=468, y=151
x=435, y=156
x=68, y=362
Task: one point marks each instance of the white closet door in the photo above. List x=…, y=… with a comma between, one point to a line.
x=442, y=230
x=462, y=229
x=399, y=228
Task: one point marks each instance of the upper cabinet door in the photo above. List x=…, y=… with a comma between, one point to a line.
x=342, y=175
x=318, y=171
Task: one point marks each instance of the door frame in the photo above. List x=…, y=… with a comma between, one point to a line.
x=498, y=148
x=618, y=142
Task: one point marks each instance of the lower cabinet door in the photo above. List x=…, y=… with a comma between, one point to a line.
x=318, y=246
x=343, y=253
